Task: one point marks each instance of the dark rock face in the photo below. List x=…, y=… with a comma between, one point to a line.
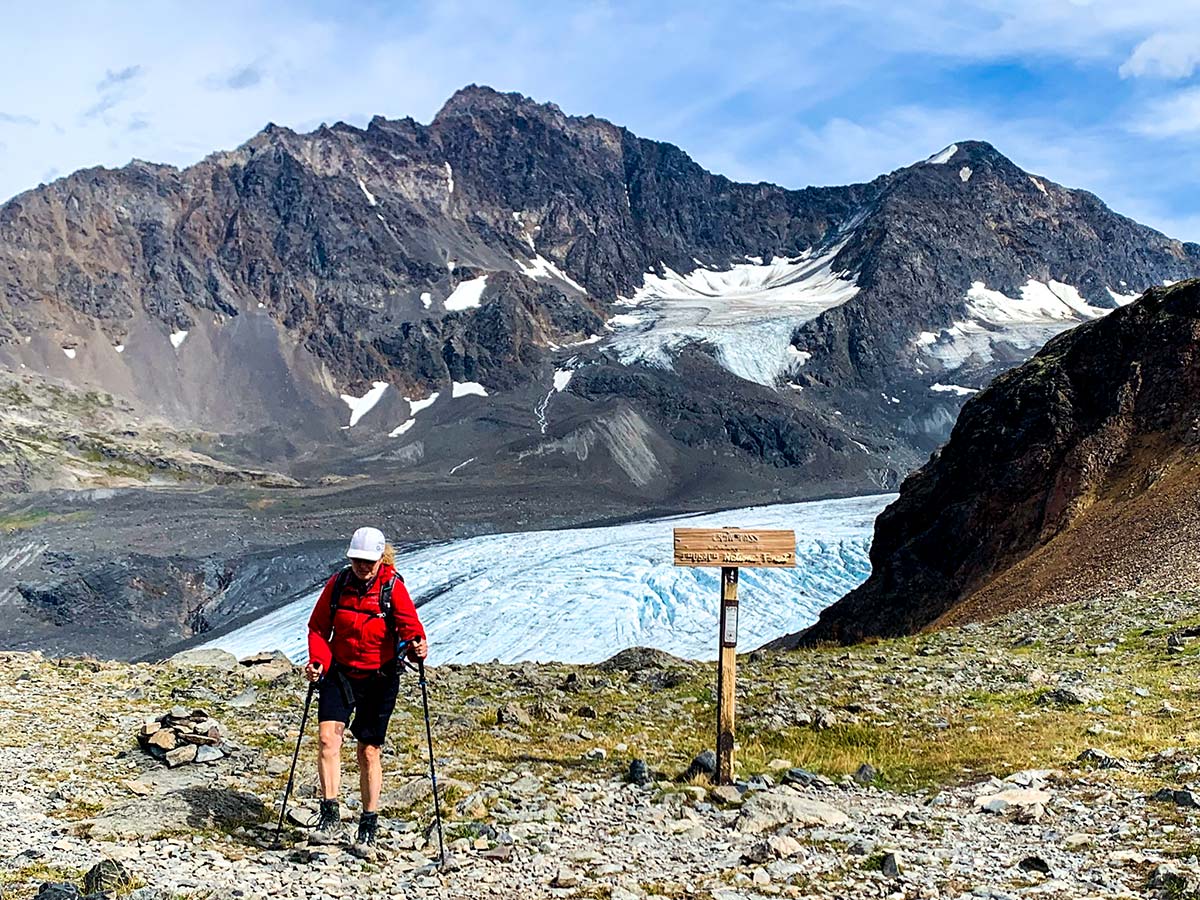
x=1072, y=469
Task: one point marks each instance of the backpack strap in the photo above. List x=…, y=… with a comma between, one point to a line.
x=386, y=607
x=339, y=585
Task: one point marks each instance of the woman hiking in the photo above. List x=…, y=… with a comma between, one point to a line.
x=362, y=619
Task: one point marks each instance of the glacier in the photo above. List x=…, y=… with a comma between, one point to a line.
x=746, y=313
x=579, y=595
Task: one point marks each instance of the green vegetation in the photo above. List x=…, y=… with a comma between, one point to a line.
x=29, y=518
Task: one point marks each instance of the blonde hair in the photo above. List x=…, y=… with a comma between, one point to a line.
x=389, y=555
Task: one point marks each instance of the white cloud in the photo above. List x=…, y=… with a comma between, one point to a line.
x=748, y=95
x=1174, y=54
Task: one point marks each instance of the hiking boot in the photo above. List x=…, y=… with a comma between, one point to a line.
x=364, y=845
x=330, y=829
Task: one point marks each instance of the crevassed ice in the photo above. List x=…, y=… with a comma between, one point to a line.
x=360, y=406
x=467, y=294
x=1026, y=322
x=747, y=314
x=581, y=595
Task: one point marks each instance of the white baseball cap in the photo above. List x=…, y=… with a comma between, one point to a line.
x=367, y=543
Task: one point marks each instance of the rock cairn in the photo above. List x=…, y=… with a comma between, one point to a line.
x=181, y=737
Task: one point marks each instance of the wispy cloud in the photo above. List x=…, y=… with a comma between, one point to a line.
x=113, y=78
x=15, y=119
x=238, y=79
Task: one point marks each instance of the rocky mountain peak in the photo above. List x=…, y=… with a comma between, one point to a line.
x=477, y=99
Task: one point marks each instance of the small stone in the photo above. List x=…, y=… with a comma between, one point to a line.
x=164, y=739
x=206, y=754
x=1034, y=864
x=245, y=699
x=639, y=772
x=704, y=764
x=801, y=777
x=866, y=774
x=597, y=753
x=512, y=714
x=302, y=817
x=106, y=875
x=726, y=794
x=181, y=755
x=565, y=878
x=57, y=891
x=1021, y=804
x=889, y=865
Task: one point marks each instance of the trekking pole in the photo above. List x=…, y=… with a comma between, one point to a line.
x=437, y=806
x=312, y=686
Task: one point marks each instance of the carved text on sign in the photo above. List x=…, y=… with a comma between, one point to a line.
x=735, y=547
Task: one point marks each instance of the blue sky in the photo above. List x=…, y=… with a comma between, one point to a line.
x=1097, y=94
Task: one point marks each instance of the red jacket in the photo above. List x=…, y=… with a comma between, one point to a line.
x=356, y=636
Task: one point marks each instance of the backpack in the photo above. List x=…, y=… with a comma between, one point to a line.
x=385, y=597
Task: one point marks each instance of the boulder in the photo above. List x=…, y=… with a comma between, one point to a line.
x=270, y=666
x=767, y=810
x=187, y=810
x=1021, y=804
x=206, y=658
x=108, y=875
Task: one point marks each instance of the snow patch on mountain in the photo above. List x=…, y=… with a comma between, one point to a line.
x=370, y=197
x=581, y=595
x=540, y=267
x=956, y=389
x=177, y=338
x=467, y=388
x=467, y=295
x=943, y=156
x=965, y=174
x=993, y=318
x=746, y=313
x=360, y=406
x=69, y=352
x=1122, y=299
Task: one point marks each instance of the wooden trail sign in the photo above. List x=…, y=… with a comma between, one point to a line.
x=731, y=549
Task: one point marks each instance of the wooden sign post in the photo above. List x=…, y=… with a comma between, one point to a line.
x=730, y=549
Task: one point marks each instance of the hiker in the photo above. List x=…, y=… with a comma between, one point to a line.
x=354, y=634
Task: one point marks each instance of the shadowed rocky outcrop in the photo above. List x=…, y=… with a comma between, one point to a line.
x=1071, y=476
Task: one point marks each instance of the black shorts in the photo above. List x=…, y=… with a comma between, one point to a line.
x=370, y=697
